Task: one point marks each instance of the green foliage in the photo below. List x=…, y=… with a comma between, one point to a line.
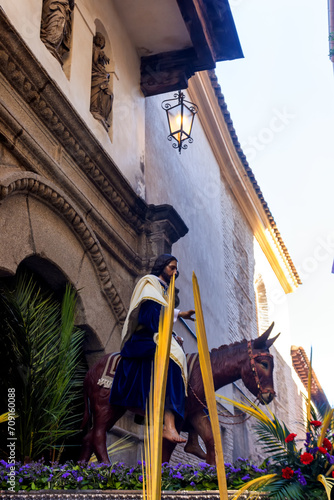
x=117, y=476
x=272, y=435
x=43, y=349
x=281, y=490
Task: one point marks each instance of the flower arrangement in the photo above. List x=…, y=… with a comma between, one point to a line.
x=308, y=472
x=305, y=473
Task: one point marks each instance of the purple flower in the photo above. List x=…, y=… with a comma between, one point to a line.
x=65, y=475
x=140, y=479
x=301, y=478
x=330, y=458
x=256, y=469
x=245, y=478
x=178, y=475
x=80, y=478
x=233, y=469
x=203, y=465
x=192, y=483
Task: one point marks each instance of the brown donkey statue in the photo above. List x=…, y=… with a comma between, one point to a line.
x=246, y=360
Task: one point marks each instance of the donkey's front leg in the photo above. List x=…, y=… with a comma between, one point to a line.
x=202, y=426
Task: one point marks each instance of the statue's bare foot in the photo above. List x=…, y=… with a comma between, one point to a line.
x=195, y=449
x=172, y=435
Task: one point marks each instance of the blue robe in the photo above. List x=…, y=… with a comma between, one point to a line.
x=132, y=380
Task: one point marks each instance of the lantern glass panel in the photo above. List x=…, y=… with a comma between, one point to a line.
x=174, y=119
x=188, y=118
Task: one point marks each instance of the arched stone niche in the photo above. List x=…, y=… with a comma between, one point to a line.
x=39, y=224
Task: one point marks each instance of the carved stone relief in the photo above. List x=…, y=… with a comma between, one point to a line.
x=102, y=97
x=56, y=27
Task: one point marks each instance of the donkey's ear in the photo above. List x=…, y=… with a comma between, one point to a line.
x=270, y=342
x=261, y=342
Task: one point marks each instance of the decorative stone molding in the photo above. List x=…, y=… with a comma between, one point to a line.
x=27, y=182
x=164, y=227
x=43, y=98
x=33, y=84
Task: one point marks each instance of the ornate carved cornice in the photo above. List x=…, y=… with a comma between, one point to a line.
x=35, y=185
x=30, y=80
x=166, y=72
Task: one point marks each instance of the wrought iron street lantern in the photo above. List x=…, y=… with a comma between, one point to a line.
x=180, y=116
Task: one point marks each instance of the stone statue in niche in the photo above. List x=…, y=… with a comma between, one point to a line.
x=56, y=26
x=101, y=100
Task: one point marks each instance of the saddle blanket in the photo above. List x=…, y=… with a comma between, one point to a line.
x=111, y=365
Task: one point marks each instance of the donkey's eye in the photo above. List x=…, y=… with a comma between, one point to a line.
x=264, y=364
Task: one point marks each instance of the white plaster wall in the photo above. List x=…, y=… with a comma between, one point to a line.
x=191, y=182
x=125, y=141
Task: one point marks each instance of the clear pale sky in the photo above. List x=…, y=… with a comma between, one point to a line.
x=280, y=97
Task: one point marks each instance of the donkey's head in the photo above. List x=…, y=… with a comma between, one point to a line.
x=257, y=374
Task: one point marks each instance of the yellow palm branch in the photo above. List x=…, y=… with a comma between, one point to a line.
x=327, y=484
x=251, y=409
x=156, y=403
x=255, y=484
x=330, y=470
x=119, y=445
x=309, y=386
x=205, y=365
x=325, y=425
x=3, y=417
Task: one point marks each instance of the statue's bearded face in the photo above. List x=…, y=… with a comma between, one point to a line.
x=168, y=271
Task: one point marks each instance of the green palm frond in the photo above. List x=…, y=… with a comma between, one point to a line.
x=281, y=490
x=44, y=348
x=271, y=431
x=272, y=436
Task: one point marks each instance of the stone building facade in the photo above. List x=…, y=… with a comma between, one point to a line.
x=93, y=197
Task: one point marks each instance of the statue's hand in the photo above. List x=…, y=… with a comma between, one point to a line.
x=187, y=314
x=179, y=340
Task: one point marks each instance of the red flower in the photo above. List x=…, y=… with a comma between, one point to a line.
x=322, y=450
x=332, y=473
x=287, y=473
x=327, y=444
x=306, y=458
x=290, y=438
x=316, y=423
